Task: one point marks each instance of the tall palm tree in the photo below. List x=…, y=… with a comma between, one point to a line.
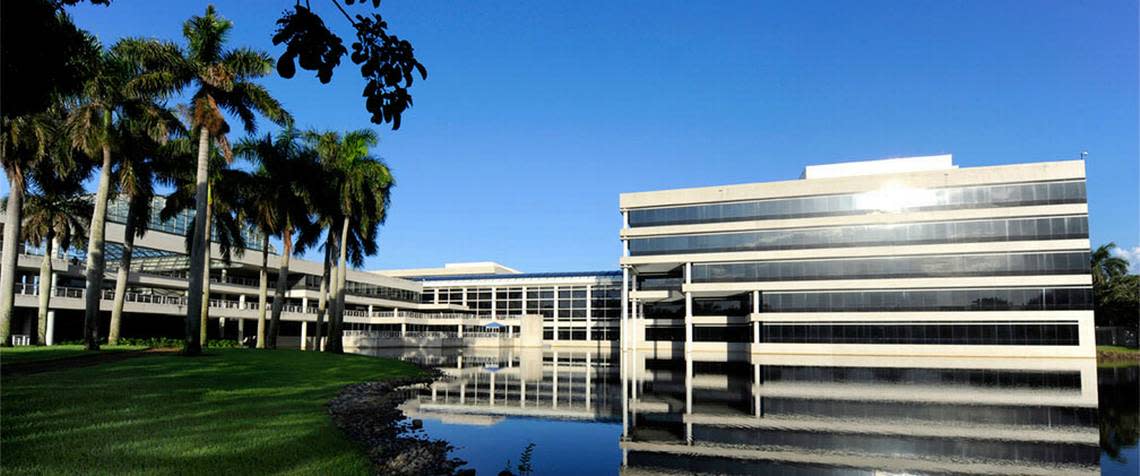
x=106, y=102
x=24, y=141
x=56, y=212
x=280, y=204
x=142, y=162
x=362, y=186
x=225, y=186
x=1106, y=266
x=222, y=81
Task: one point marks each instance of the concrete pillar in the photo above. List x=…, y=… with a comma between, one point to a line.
x=510, y=331
x=688, y=309
x=494, y=302
x=589, y=313
x=221, y=328
x=304, y=304
x=758, y=405
x=688, y=398
x=403, y=329
x=624, y=332
x=461, y=330
x=369, y=310
x=49, y=339
x=241, y=329
x=241, y=302
x=556, y=317
x=522, y=392
x=304, y=334
x=756, y=332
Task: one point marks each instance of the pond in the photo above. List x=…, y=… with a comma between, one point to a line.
x=725, y=414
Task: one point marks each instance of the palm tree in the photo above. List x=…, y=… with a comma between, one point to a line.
x=221, y=81
x=57, y=212
x=24, y=141
x=223, y=211
x=279, y=204
x=362, y=185
x=1106, y=265
x=92, y=124
x=142, y=162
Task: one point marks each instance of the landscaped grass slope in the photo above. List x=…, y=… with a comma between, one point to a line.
x=13, y=355
x=232, y=411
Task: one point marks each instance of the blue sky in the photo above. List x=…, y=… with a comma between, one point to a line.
x=536, y=115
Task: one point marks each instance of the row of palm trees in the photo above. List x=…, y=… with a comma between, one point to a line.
x=311, y=189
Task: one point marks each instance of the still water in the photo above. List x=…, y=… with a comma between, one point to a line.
x=800, y=415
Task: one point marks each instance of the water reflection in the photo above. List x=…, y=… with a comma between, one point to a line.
x=708, y=414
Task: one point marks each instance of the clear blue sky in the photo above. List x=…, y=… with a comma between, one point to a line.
x=535, y=115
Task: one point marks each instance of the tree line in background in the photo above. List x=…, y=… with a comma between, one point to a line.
x=108, y=113
x=1116, y=293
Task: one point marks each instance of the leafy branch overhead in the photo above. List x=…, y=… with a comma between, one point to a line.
x=387, y=63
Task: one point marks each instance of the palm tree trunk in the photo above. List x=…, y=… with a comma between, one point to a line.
x=40, y=337
x=323, y=299
x=342, y=284
x=198, y=249
x=95, y=246
x=334, y=340
x=202, y=325
x=263, y=292
x=11, y=251
x=123, y=275
x=282, y=280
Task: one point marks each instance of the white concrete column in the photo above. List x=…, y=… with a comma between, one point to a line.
x=241, y=301
x=756, y=302
x=49, y=339
x=304, y=334
x=758, y=404
x=589, y=313
x=624, y=331
x=688, y=398
x=688, y=308
x=494, y=302
x=522, y=392
x=461, y=330
x=557, y=318
x=304, y=305
x=241, y=329
x=369, y=310
x=756, y=332
x=403, y=329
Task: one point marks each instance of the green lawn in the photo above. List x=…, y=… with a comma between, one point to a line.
x=233, y=411
x=1116, y=349
x=11, y=355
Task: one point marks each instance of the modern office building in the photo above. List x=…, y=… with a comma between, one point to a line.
x=581, y=307
x=902, y=256
x=909, y=256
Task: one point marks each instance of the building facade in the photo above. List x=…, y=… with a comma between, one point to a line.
x=904, y=256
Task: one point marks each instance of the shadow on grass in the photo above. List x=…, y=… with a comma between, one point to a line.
x=241, y=411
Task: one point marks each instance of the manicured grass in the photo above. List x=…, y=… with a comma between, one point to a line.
x=1116, y=349
x=232, y=411
x=12, y=355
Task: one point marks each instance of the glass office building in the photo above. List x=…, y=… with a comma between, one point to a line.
x=899, y=256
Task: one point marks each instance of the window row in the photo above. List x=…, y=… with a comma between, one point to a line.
x=885, y=200
x=867, y=235
x=1008, y=264
x=1004, y=299
x=929, y=334
x=1036, y=379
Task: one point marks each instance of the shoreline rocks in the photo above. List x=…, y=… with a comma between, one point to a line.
x=368, y=414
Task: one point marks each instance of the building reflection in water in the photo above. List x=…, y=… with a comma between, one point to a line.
x=709, y=414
